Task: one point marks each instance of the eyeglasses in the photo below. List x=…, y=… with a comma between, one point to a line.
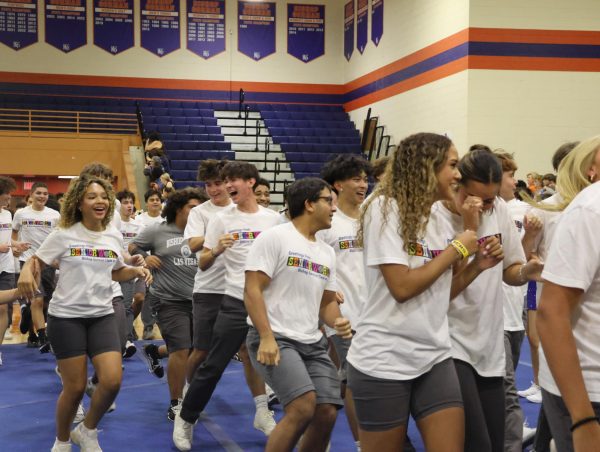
x=328, y=199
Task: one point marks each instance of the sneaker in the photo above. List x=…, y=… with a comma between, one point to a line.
x=529, y=391
x=535, y=398
x=130, y=349
x=183, y=433
x=0, y=358
x=25, y=322
x=237, y=357
x=148, y=334
x=264, y=421
x=85, y=438
x=80, y=415
x=528, y=433
x=45, y=347
x=32, y=341
x=60, y=446
x=553, y=446
x=272, y=398
x=174, y=410
x=8, y=335
x=90, y=388
x=153, y=358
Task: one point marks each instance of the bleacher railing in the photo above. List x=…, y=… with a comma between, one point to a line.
x=67, y=121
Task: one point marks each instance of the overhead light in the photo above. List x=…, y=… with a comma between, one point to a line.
x=67, y=177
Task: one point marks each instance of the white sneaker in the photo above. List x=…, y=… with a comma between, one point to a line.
x=553, y=446
x=264, y=421
x=535, y=398
x=60, y=446
x=85, y=438
x=90, y=387
x=528, y=433
x=8, y=335
x=183, y=433
x=0, y=358
x=529, y=391
x=80, y=415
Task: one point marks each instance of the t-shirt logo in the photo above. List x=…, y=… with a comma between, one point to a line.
x=349, y=244
x=186, y=251
x=129, y=235
x=245, y=235
x=36, y=223
x=422, y=250
x=93, y=253
x=5, y=226
x=519, y=225
x=307, y=264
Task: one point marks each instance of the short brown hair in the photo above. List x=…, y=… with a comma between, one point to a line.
x=210, y=169
x=507, y=160
x=97, y=169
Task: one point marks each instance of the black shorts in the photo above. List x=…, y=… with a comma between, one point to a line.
x=79, y=336
x=175, y=320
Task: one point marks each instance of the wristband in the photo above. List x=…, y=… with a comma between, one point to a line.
x=460, y=248
x=585, y=420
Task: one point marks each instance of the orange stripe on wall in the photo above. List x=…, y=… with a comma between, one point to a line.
x=444, y=71
x=535, y=64
x=534, y=36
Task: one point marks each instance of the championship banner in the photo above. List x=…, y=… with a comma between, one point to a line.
x=160, y=26
x=306, y=31
x=362, y=23
x=113, y=25
x=349, y=29
x=256, y=29
x=66, y=24
x=206, y=27
x=376, y=21
x=18, y=23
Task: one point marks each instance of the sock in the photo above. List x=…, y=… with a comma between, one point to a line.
x=42, y=335
x=261, y=402
x=59, y=442
x=95, y=379
x=357, y=443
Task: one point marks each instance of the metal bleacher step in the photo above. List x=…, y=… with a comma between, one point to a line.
x=234, y=130
x=250, y=123
x=241, y=139
x=235, y=114
x=252, y=147
x=258, y=156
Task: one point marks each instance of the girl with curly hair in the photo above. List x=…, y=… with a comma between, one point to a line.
x=399, y=362
x=81, y=320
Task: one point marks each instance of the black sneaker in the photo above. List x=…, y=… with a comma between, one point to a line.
x=272, y=400
x=130, y=349
x=32, y=342
x=174, y=410
x=25, y=322
x=45, y=347
x=153, y=358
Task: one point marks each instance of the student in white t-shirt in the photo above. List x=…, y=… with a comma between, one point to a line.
x=570, y=290
x=399, y=361
x=475, y=316
x=31, y=226
x=262, y=191
x=80, y=316
x=290, y=285
x=209, y=285
x=348, y=174
x=228, y=237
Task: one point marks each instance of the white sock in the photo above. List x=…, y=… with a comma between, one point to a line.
x=261, y=402
x=357, y=443
x=59, y=442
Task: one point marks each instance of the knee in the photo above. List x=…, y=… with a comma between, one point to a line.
x=74, y=390
x=325, y=414
x=37, y=302
x=110, y=384
x=303, y=408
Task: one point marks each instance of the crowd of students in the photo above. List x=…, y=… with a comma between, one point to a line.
x=407, y=302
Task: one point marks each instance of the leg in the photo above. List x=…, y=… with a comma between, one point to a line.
x=194, y=360
x=205, y=307
x=73, y=373
x=255, y=383
x=108, y=368
x=176, y=373
x=121, y=319
x=3, y=321
x=513, y=429
x=443, y=430
x=559, y=421
x=543, y=436
x=491, y=394
x=341, y=346
x=298, y=414
x=316, y=437
x=37, y=315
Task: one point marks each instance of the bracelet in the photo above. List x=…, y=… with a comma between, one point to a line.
x=460, y=248
x=522, y=278
x=212, y=252
x=585, y=420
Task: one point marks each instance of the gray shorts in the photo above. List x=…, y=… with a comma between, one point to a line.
x=79, y=336
x=7, y=281
x=386, y=404
x=205, y=308
x=302, y=368
x=175, y=321
x=47, y=282
x=341, y=348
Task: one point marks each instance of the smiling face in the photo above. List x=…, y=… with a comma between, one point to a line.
x=240, y=190
x=94, y=205
x=39, y=198
x=324, y=208
x=448, y=176
x=487, y=192
x=353, y=190
x=215, y=189
x=263, y=195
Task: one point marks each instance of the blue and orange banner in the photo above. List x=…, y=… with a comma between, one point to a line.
x=306, y=31
x=160, y=26
x=18, y=23
x=113, y=25
x=256, y=29
x=362, y=23
x=349, y=29
x=66, y=24
x=206, y=27
x=376, y=21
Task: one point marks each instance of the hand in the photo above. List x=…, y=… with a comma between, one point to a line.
x=268, y=351
x=27, y=284
x=532, y=224
x=144, y=273
x=153, y=262
x=469, y=239
x=490, y=253
x=225, y=241
x=587, y=438
x=4, y=248
x=339, y=297
x=343, y=328
x=533, y=269
x=137, y=260
x=470, y=210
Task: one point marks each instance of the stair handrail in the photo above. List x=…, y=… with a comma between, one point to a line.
x=258, y=127
x=276, y=171
x=140, y=119
x=246, y=114
x=267, y=150
x=241, y=100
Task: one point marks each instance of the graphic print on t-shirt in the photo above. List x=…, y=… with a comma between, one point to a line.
x=36, y=223
x=243, y=236
x=4, y=226
x=305, y=265
x=91, y=254
x=421, y=249
x=187, y=257
x=349, y=243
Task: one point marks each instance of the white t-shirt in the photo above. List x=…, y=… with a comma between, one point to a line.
x=350, y=266
x=574, y=261
x=87, y=259
x=400, y=341
x=130, y=230
x=245, y=228
x=7, y=262
x=211, y=280
x=300, y=271
x=34, y=226
x=514, y=297
x=146, y=220
x=475, y=316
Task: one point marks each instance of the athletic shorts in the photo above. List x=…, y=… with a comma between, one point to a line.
x=79, y=336
x=205, y=308
x=302, y=368
x=175, y=320
x=7, y=281
x=386, y=404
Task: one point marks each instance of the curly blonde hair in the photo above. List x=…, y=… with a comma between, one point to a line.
x=70, y=212
x=410, y=180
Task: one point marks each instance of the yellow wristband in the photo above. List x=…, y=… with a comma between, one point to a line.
x=460, y=248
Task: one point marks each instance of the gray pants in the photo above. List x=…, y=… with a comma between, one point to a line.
x=513, y=424
x=127, y=287
x=147, y=318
